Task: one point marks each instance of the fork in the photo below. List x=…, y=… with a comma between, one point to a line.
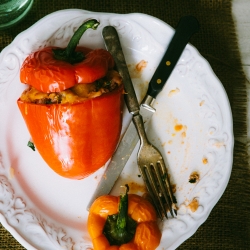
x=154, y=172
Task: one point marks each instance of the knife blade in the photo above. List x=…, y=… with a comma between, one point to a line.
x=187, y=26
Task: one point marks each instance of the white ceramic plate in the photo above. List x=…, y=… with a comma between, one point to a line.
x=45, y=211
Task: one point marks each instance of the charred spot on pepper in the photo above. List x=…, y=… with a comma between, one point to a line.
x=194, y=177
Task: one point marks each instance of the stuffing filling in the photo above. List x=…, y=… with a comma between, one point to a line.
x=77, y=93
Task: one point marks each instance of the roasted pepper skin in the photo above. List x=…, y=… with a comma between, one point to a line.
x=147, y=235
x=75, y=139
x=47, y=74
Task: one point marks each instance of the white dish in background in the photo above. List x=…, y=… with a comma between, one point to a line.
x=45, y=211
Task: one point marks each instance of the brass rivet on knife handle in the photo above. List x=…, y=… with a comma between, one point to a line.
x=158, y=81
x=187, y=26
x=111, y=36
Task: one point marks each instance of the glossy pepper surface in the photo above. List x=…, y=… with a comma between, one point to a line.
x=55, y=69
x=74, y=139
x=77, y=139
x=146, y=234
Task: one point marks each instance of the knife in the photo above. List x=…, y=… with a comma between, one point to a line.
x=187, y=26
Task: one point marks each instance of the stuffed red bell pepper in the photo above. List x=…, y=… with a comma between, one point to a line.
x=72, y=106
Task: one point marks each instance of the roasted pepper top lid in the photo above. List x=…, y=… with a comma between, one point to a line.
x=53, y=69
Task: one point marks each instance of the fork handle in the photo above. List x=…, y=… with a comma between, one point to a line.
x=139, y=125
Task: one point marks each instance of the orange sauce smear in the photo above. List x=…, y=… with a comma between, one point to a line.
x=178, y=127
x=193, y=205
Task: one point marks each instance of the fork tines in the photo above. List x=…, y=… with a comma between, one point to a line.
x=157, y=182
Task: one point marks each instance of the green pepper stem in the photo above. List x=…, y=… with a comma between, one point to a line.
x=90, y=24
x=120, y=228
x=69, y=54
x=123, y=210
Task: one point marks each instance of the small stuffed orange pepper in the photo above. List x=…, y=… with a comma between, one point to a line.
x=128, y=222
x=72, y=105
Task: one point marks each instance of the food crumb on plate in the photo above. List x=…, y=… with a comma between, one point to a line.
x=173, y=187
x=136, y=70
x=194, y=177
x=141, y=65
x=173, y=92
x=193, y=205
x=178, y=127
x=136, y=187
x=202, y=102
x=205, y=160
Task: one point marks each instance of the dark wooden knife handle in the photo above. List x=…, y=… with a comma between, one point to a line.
x=187, y=26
